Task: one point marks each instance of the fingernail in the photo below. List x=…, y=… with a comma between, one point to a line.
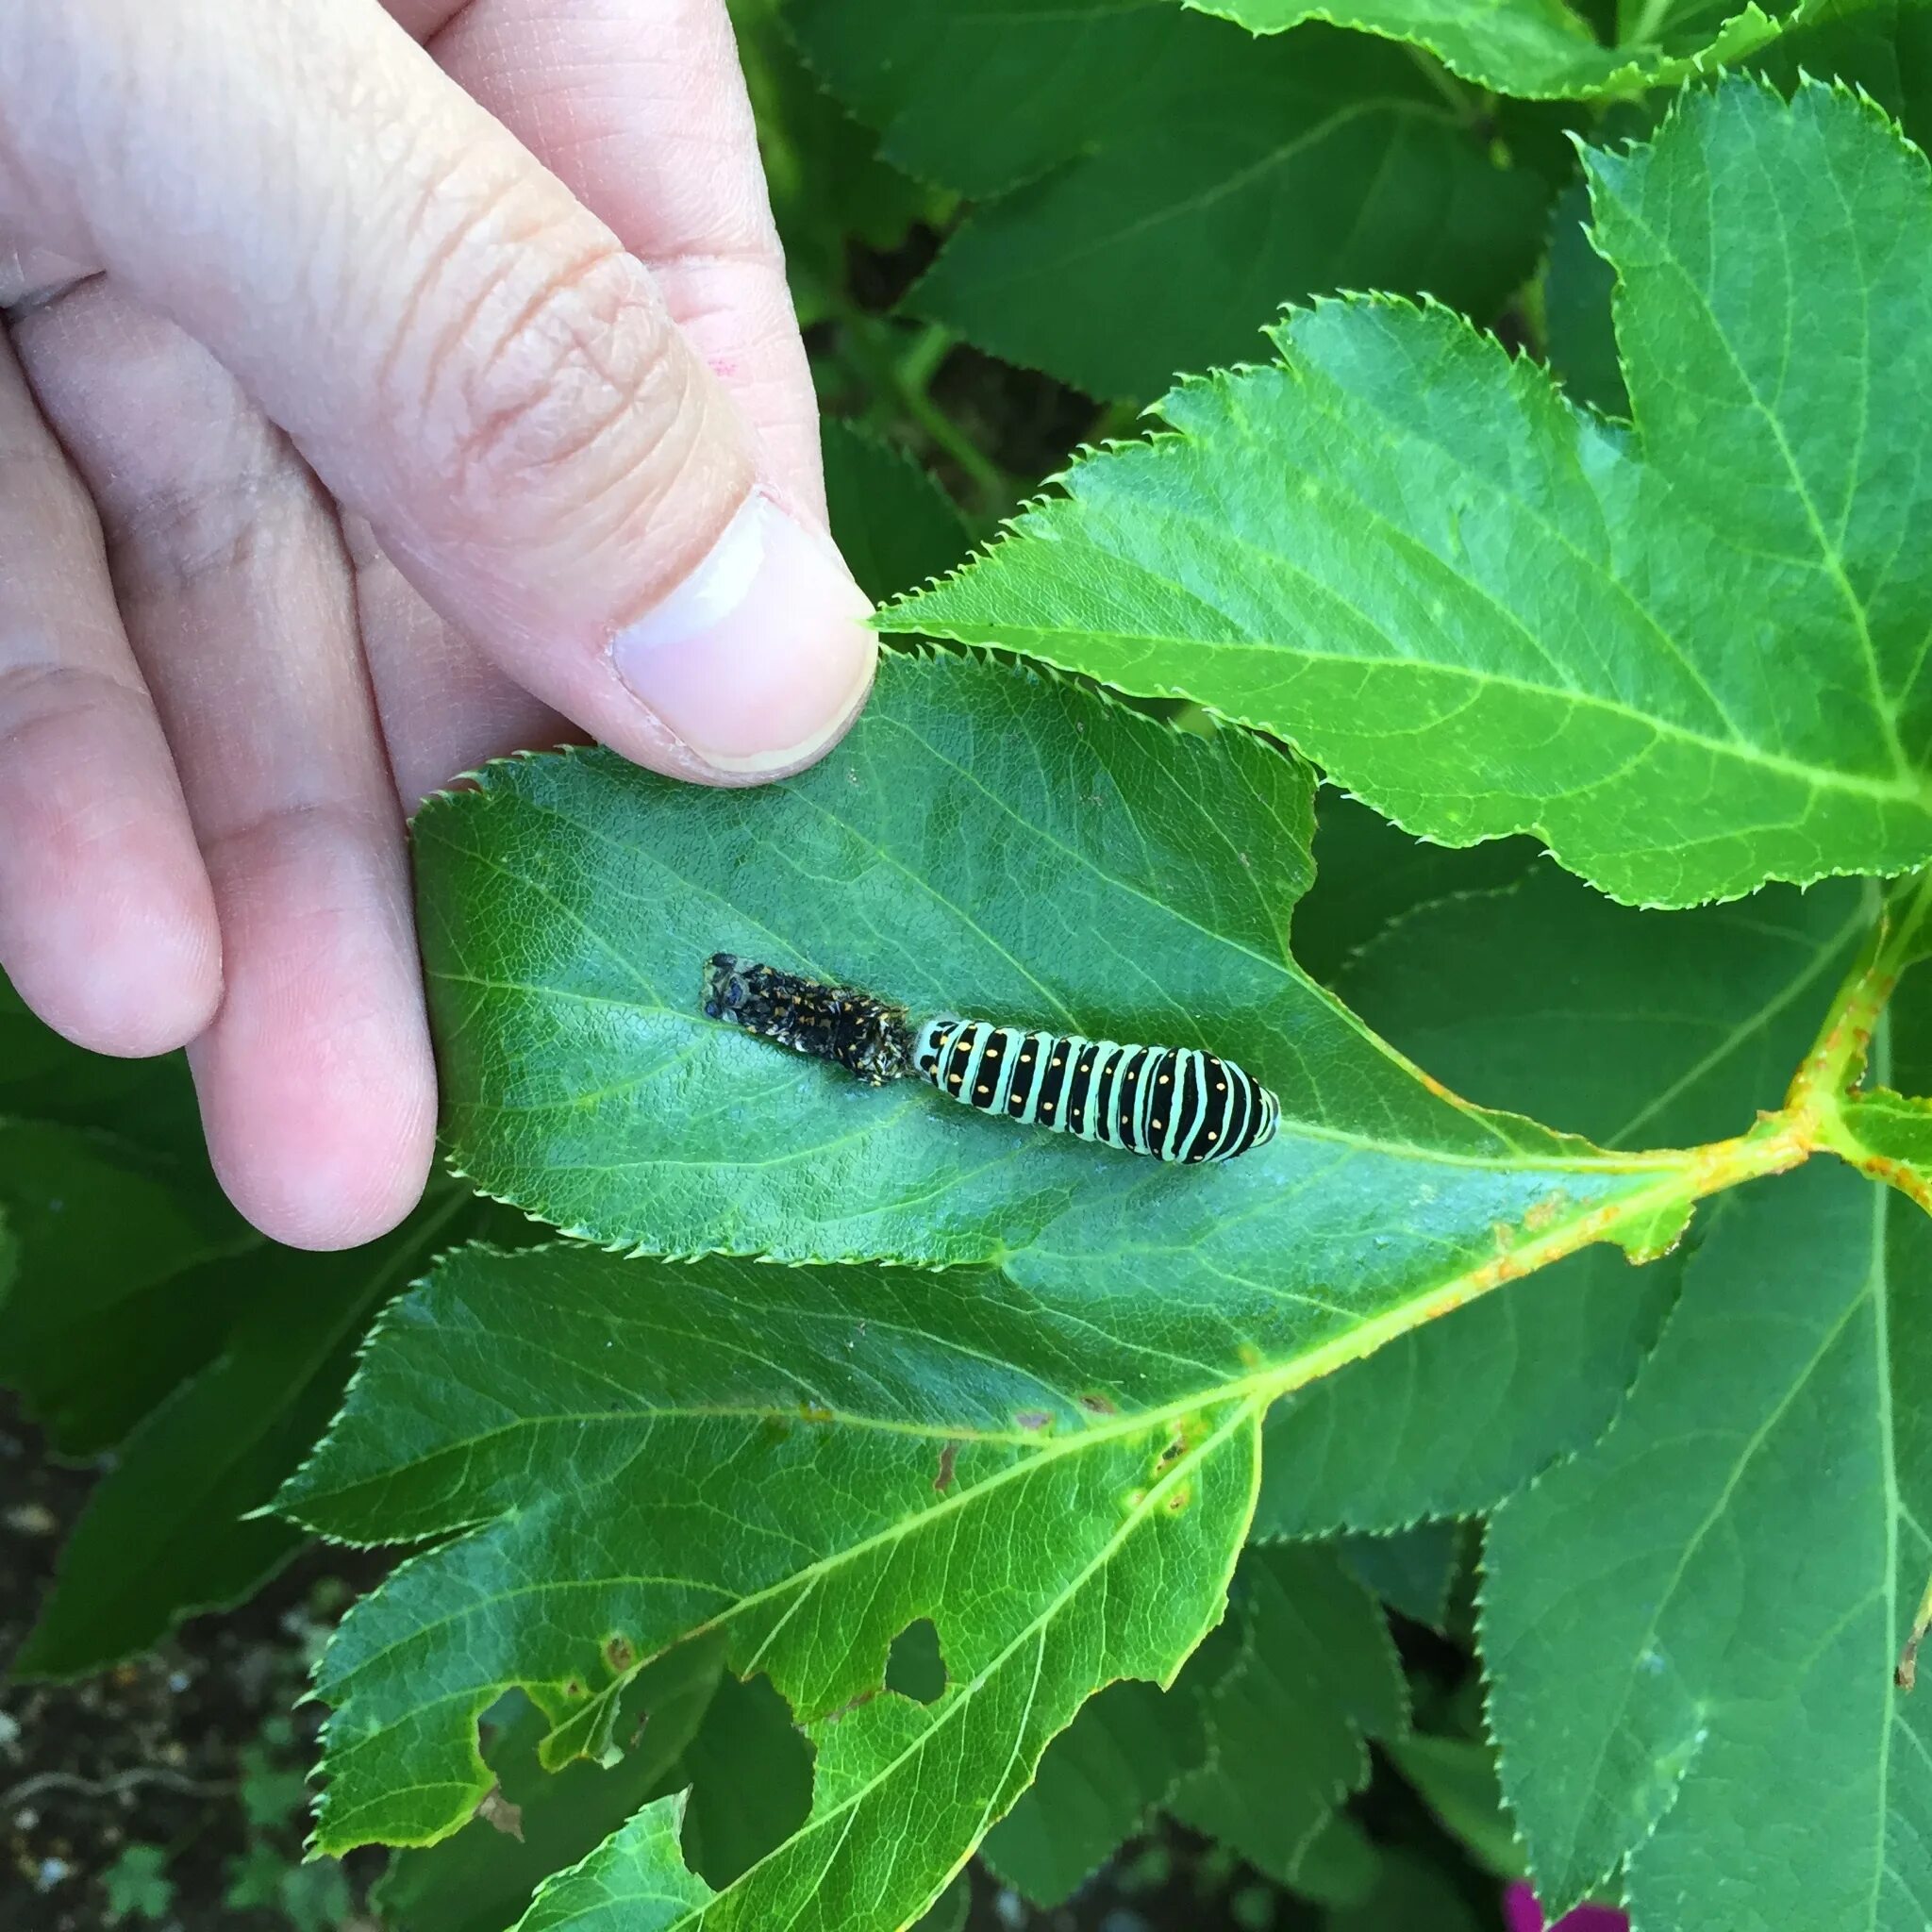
x=759, y=658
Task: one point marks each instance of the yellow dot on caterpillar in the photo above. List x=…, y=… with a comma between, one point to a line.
x=1159, y=1124
x=1048, y=1107
x=1059, y=1063
x=956, y=1079
x=1214, y=1134
x=982, y=1088
x=1164, y=1078
x=1025, y=1059
x=1221, y=1085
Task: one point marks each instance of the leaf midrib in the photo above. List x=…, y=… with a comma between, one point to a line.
x=1034, y=1630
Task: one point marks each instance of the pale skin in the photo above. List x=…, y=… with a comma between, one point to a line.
x=385, y=388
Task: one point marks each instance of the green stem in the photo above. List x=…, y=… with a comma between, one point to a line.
x=1648, y=23
x=1835, y=1063
x=920, y=362
x=1810, y=1123
x=886, y=373
x=1463, y=101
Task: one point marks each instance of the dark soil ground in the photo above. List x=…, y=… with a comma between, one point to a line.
x=195, y=1751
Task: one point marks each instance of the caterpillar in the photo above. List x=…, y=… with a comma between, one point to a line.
x=1175, y=1103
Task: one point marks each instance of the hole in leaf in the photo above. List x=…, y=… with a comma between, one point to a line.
x=914, y=1667
x=749, y=1768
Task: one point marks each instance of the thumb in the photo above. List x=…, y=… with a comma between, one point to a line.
x=458, y=348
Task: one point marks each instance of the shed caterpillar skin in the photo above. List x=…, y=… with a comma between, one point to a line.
x=1172, y=1103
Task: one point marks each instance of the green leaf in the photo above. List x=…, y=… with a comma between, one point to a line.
x=1533, y=47
x=1485, y=612
x=254, y=1878
x=895, y=525
x=1106, y=1328
x=1635, y=1028
x=1579, y=331
x=137, y=1884
x=1368, y=874
x=167, y=1530
x=119, y=1292
x=1411, y=1570
x=828, y=1451
x=636, y=1881
x=102, y=1224
x=822, y=170
x=1691, y=1629
x=315, y=1896
x=1174, y=170
x=1098, y=1780
x=1096, y=871
x=1638, y=1028
x=751, y=1773
x=1340, y=1867
x=1456, y=1779
x=482, y=1879
x=1890, y=1137
x=1315, y=1674
x=145, y=1317
x=1883, y=47
x=1410, y=1889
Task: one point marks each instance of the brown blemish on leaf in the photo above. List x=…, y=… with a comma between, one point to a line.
x=496, y=1811
x=1906, y=1673
x=949, y=1453
x=1033, y=1421
x=619, y=1654
x=1546, y=1212
x=852, y=1704
x=1098, y=1405
x=1179, y=1497
x=573, y=1689
x=1901, y=1175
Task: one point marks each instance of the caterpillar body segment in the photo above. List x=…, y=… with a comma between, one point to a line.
x=1175, y=1103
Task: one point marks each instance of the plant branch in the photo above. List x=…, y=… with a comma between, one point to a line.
x=1811, y=1122
x=15, y=1795
x=902, y=379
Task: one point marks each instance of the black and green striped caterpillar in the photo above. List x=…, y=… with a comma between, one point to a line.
x=1176, y=1103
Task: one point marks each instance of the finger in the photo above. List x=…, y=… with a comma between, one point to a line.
x=446, y=707
x=315, y=1078
x=639, y=107
x=460, y=349
x=107, y=924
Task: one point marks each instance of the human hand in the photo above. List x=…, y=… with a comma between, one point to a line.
x=344, y=445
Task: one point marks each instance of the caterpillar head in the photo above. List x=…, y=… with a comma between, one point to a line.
x=725, y=988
